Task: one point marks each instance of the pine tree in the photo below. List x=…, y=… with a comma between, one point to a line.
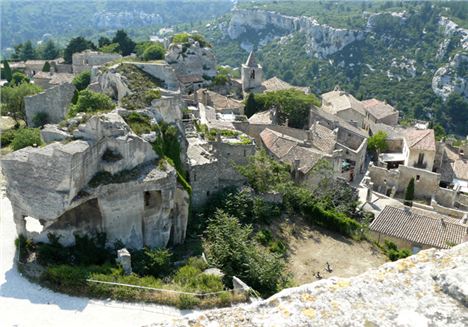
x=126, y=44
x=50, y=51
x=250, y=105
x=409, y=194
x=75, y=45
x=27, y=51
x=6, y=73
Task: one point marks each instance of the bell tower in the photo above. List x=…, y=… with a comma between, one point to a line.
x=251, y=74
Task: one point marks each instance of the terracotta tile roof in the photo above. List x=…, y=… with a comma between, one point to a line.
x=420, y=139
x=262, y=117
x=378, y=109
x=323, y=138
x=276, y=84
x=287, y=149
x=416, y=228
x=187, y=79
x=339, y=121
x=340, y=100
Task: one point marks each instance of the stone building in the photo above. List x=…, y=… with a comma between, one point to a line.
x=415, y=231
x=345, y=106
x=212, y=164
x=87, y=59
x=304, y=155
x=220, y=103
x=380, y=112
x=251, y=75
x=105, y=180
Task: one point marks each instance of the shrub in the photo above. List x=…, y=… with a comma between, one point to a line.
x=12, y=98
x=40, y=119
x=110, y=48
x=89, y=101
x=151, y=262
x=19, y=78
x=25, y=247
x=139, y=123
x=26, y=137
x=154, y=52
x=393, y=253
x=82, y=80
x=64, y=276
x=52, y=253
x=6, y=137
x=220, y=80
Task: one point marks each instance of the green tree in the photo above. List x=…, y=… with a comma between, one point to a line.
x=82, y=80
x=103, y=41
x=250, y=105
x=46, y=67
x=264, y=173
x=26, y=137
x=110, y=48
x=50, y=51
x=377, y=143
x=89, y=101
x=228, y=246
x=154, y=52
x=409, y=193
x=27, y=51
x=75, y=45
x=6, y=72
x=126, y=44
x=13, y=98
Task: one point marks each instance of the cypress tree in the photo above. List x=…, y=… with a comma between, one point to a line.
x=250, y=105
x=6, y=73
x=409, y=194
x=46, y=67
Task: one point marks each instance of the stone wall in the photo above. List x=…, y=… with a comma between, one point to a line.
x=87, y=59
x=428, y=162
x=162, y=71
x=53, y=101
x=426, y=182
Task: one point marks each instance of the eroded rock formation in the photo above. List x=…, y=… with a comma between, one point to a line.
x=428, y=289
x=105, y=180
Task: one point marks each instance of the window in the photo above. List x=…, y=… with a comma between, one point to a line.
x=207, y=193
x=245, y=153
x=420, y=158
x=252, y=74
x=194, y=177
x=418, y=178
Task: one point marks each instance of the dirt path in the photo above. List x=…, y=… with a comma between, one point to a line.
x=310, y=248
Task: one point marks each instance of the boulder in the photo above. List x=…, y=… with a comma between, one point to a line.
x=125, y=260
x=51, y=133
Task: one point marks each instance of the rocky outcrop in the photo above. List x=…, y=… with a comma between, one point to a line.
x=54, y=102
x=428, y=289
x=112, y=83
x=191, y=59
x=452, y=77
x=106, y=180
x=322, y=40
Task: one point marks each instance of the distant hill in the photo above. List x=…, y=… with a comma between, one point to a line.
x=62, y=19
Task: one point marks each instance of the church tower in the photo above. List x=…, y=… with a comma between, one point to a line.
x=251, y=74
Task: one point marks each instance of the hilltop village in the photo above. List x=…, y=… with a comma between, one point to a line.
x=144, y=144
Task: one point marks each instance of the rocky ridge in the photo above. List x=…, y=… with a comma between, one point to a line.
x=427, y=289
x=322, y=40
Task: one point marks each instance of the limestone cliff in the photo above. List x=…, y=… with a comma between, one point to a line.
x=428, y=289
x=322, y=40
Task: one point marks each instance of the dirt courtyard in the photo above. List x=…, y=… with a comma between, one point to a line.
x=311, y=247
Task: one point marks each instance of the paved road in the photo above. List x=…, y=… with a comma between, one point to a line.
x=23, y=303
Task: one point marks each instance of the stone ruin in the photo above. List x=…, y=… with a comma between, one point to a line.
x=106, y=179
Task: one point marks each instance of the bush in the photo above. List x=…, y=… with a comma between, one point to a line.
x=12, y=98
x=82, y=80
x=139, y=123
x=151, y=262
x=393, y=253
x=89, y=101
x=6, y=137
x=40, y=119
x=52, y=253
x=46, y=67
x=19, y=78
x=154, y=52
x=26, y=137
x=25, y=247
